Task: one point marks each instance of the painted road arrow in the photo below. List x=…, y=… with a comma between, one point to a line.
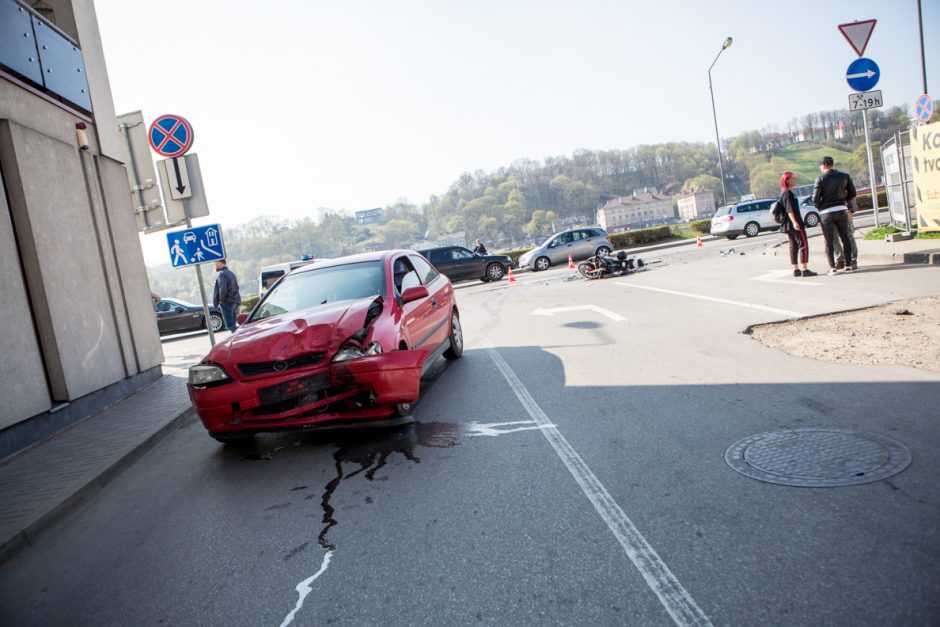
x=604, y=312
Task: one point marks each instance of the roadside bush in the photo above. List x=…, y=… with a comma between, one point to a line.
x=701, y=226
x=249, y=303
x=864, y=200
x=631, y=239
x=514, y=254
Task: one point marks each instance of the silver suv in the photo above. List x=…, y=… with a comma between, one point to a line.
x=578, y=243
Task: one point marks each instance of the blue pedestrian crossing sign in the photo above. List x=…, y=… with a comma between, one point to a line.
x=863, y=74
x=198, y=244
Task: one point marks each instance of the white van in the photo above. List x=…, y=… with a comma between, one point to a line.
x=270, y=274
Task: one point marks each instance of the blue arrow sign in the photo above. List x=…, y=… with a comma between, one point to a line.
x=863, y=74
x=198, y=244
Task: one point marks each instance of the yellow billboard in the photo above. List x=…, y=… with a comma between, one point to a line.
x=925, y=153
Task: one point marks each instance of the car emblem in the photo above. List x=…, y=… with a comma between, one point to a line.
x=280, y=366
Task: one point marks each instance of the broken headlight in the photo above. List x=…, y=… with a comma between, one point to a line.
x=202, y=375
x=351, y=351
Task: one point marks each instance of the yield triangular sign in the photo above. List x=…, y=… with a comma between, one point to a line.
x=858, y=34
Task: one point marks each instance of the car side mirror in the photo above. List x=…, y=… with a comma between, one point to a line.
x=241, y=318
x=178, y=309
x=414, y=293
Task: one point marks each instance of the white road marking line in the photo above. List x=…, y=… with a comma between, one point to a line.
x=724, y=301
x=777, y=276
x=490, y=429
x=678, y=603
x=600, y=310
x=304, y=588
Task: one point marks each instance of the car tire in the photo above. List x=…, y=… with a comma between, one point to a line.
x=494, y=272
x=602, y=251
x=216, y=321
x=542, y=263
x=455, y=350
x=233, y=439
x=751, y=229
x=811, y=219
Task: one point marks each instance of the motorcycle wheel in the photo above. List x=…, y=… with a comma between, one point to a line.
x=589, y=270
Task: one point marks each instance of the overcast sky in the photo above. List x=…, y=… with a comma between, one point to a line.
x=351, y=105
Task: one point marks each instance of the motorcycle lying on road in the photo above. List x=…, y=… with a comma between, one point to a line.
x=601, y=266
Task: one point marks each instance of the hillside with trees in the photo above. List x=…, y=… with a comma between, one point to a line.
x=530, y=198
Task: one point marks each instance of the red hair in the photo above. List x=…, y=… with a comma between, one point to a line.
x=784, y=178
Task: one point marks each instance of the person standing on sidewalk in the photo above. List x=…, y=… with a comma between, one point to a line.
x=225, y=295
x=833, y=189
x=793, y=226
x=852, y=261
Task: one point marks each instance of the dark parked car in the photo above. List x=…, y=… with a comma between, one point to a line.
x=336, y=341
x=178, y=316
x=460, y=264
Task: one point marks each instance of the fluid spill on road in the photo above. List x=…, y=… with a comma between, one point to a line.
x=370, y=453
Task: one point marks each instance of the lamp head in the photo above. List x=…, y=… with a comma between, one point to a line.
x=727, y=43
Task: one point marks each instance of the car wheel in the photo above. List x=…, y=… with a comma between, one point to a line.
x=455, y=350
x=216, y=321
x=494, y=272
x=603, y=251
x=811, y=219
x=751, y=229
x=542, y=263
x=233, y=439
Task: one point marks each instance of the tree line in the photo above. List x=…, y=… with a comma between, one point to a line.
x=529, y=198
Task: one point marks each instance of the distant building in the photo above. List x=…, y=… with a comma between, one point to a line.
x=696, y=204
x=369, y=216
x=646, y=207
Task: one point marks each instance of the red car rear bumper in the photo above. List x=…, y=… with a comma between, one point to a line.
x=359, y=389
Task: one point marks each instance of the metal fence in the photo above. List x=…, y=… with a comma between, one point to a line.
x=899, y=180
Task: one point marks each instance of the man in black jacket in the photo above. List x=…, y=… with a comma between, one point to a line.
x=832, y=191
x=225, y=295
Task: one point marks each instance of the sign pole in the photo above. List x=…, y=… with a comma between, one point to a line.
x=202, y=285
x=871, y=169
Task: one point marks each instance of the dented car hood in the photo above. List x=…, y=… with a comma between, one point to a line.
x=321, y=328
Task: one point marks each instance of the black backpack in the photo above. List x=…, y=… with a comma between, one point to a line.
x=779, y=212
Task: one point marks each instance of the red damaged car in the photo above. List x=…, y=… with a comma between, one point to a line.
x=340, y=340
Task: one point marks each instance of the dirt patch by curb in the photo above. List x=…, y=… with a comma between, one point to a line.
x=905, y=333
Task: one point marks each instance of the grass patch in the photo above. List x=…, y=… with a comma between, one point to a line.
x=803, y=158
x=928, y=235
x=881, y=231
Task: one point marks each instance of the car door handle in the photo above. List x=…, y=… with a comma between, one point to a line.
x=433, y=302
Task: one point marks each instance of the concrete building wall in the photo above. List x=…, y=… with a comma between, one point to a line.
x=76, y=321
x=25, y=392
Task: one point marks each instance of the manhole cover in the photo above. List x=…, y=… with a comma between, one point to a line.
x=818, y=457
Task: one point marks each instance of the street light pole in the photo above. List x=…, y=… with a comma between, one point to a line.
x=721, y=165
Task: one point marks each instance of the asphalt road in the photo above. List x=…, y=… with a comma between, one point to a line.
x=569, y=469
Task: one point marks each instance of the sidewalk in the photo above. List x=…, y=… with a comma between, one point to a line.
x=45, y=483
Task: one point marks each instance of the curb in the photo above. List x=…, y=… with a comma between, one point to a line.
x=25, y=537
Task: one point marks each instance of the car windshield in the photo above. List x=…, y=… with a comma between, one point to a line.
x=183, y=303
x=323, y=285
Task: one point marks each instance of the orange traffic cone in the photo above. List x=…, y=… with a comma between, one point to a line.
x=698, y=239
x=512, y=279
x=570, y=263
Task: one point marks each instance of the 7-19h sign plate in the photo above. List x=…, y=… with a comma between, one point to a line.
x=865, y=100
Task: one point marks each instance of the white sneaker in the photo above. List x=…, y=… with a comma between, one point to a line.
x=848, y=268
x=832, y=271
